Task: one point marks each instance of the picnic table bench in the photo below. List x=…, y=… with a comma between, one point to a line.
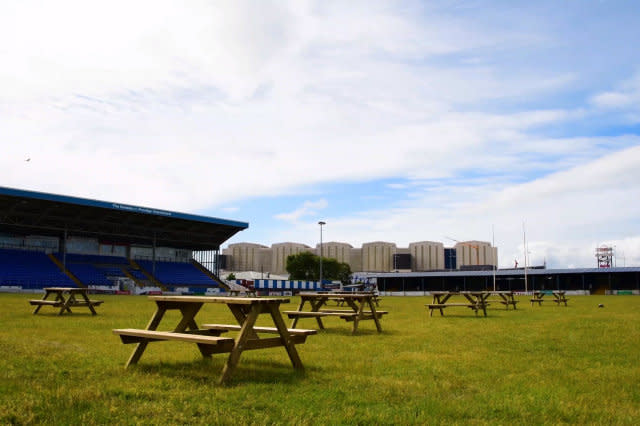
x=362, y=307
x=65, y=299
x=558, y=297
x=475, y=300
x=245, y=310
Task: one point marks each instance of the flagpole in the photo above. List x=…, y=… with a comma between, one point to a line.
x=493, y=251
x=524, y=238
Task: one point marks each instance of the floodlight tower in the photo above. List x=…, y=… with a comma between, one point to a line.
x=604, y=256
x=321, y=223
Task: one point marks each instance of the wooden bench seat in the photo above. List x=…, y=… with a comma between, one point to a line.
x=134, y=335
x=273, y=330
x=309, y=314
x=60, y=303
x=46, y=302
x=351, y=311
x=444, y=305
x=89, y=303
x=208, y=343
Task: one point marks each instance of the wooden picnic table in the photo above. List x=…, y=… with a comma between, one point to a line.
x=65, y=298
x=245, y=310
x=558, y=297
x=475, y=300
x=506, y=297
x=361, y=307
x=374, y=294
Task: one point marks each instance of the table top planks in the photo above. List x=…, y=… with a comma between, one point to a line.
x=224, y=299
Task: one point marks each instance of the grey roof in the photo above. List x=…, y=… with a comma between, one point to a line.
x=502, y=272
x=29, y=212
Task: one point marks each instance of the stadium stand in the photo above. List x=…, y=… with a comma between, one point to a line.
x=34, y=225
x=137, y=274
x=93, y=269
x=30, y=270
x=177, y=273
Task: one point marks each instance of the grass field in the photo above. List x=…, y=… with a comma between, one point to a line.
x=549, y=364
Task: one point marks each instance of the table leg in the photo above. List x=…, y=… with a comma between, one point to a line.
x=188, y=322
x=286, y=337
x=86, y=299
x=441, y=302
x=46, y=294
x=300, y=306
x=375, y=314
x=238, y=347
x=473, y=301
x=435, y=301
x=560, y=298
x=505, y=300
x=140, y=347
x=240, y=313
x=315, y=307
x=66, y=304
x=188, y=314
x=360, y=311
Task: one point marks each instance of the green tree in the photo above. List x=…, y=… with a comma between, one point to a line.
x=231, y=277
x=306, y=266
x=303, y=266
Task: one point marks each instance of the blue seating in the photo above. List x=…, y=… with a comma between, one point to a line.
x=178, y=273
x=137, y=274
x=30, y=270
x=96, y=259
x=35, y=270
x=93, y=269
x=88, y=274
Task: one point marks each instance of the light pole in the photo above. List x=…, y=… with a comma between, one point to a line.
x=321, y=223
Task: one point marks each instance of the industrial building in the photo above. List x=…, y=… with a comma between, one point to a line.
x=376, y=256
x=602, y=280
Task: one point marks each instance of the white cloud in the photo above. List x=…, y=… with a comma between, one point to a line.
x=565, y=215
x=309, y=208
x=626, y=96
x=203, y=105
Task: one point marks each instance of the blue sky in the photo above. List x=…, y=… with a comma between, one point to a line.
x=393, y=121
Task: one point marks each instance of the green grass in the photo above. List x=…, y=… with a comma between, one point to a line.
x=538, y=365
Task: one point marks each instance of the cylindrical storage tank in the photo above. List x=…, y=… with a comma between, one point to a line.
x=333, y=250
x=245, y=256
x=378, y=256
x=427, y=256
x=355, y=259
x=280, y=252
x=476, y=253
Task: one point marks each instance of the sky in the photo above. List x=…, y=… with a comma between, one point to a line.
x=400, y=121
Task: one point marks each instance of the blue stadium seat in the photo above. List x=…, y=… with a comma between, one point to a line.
x=93, y=269
x=30, y=270
x=178, y=273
